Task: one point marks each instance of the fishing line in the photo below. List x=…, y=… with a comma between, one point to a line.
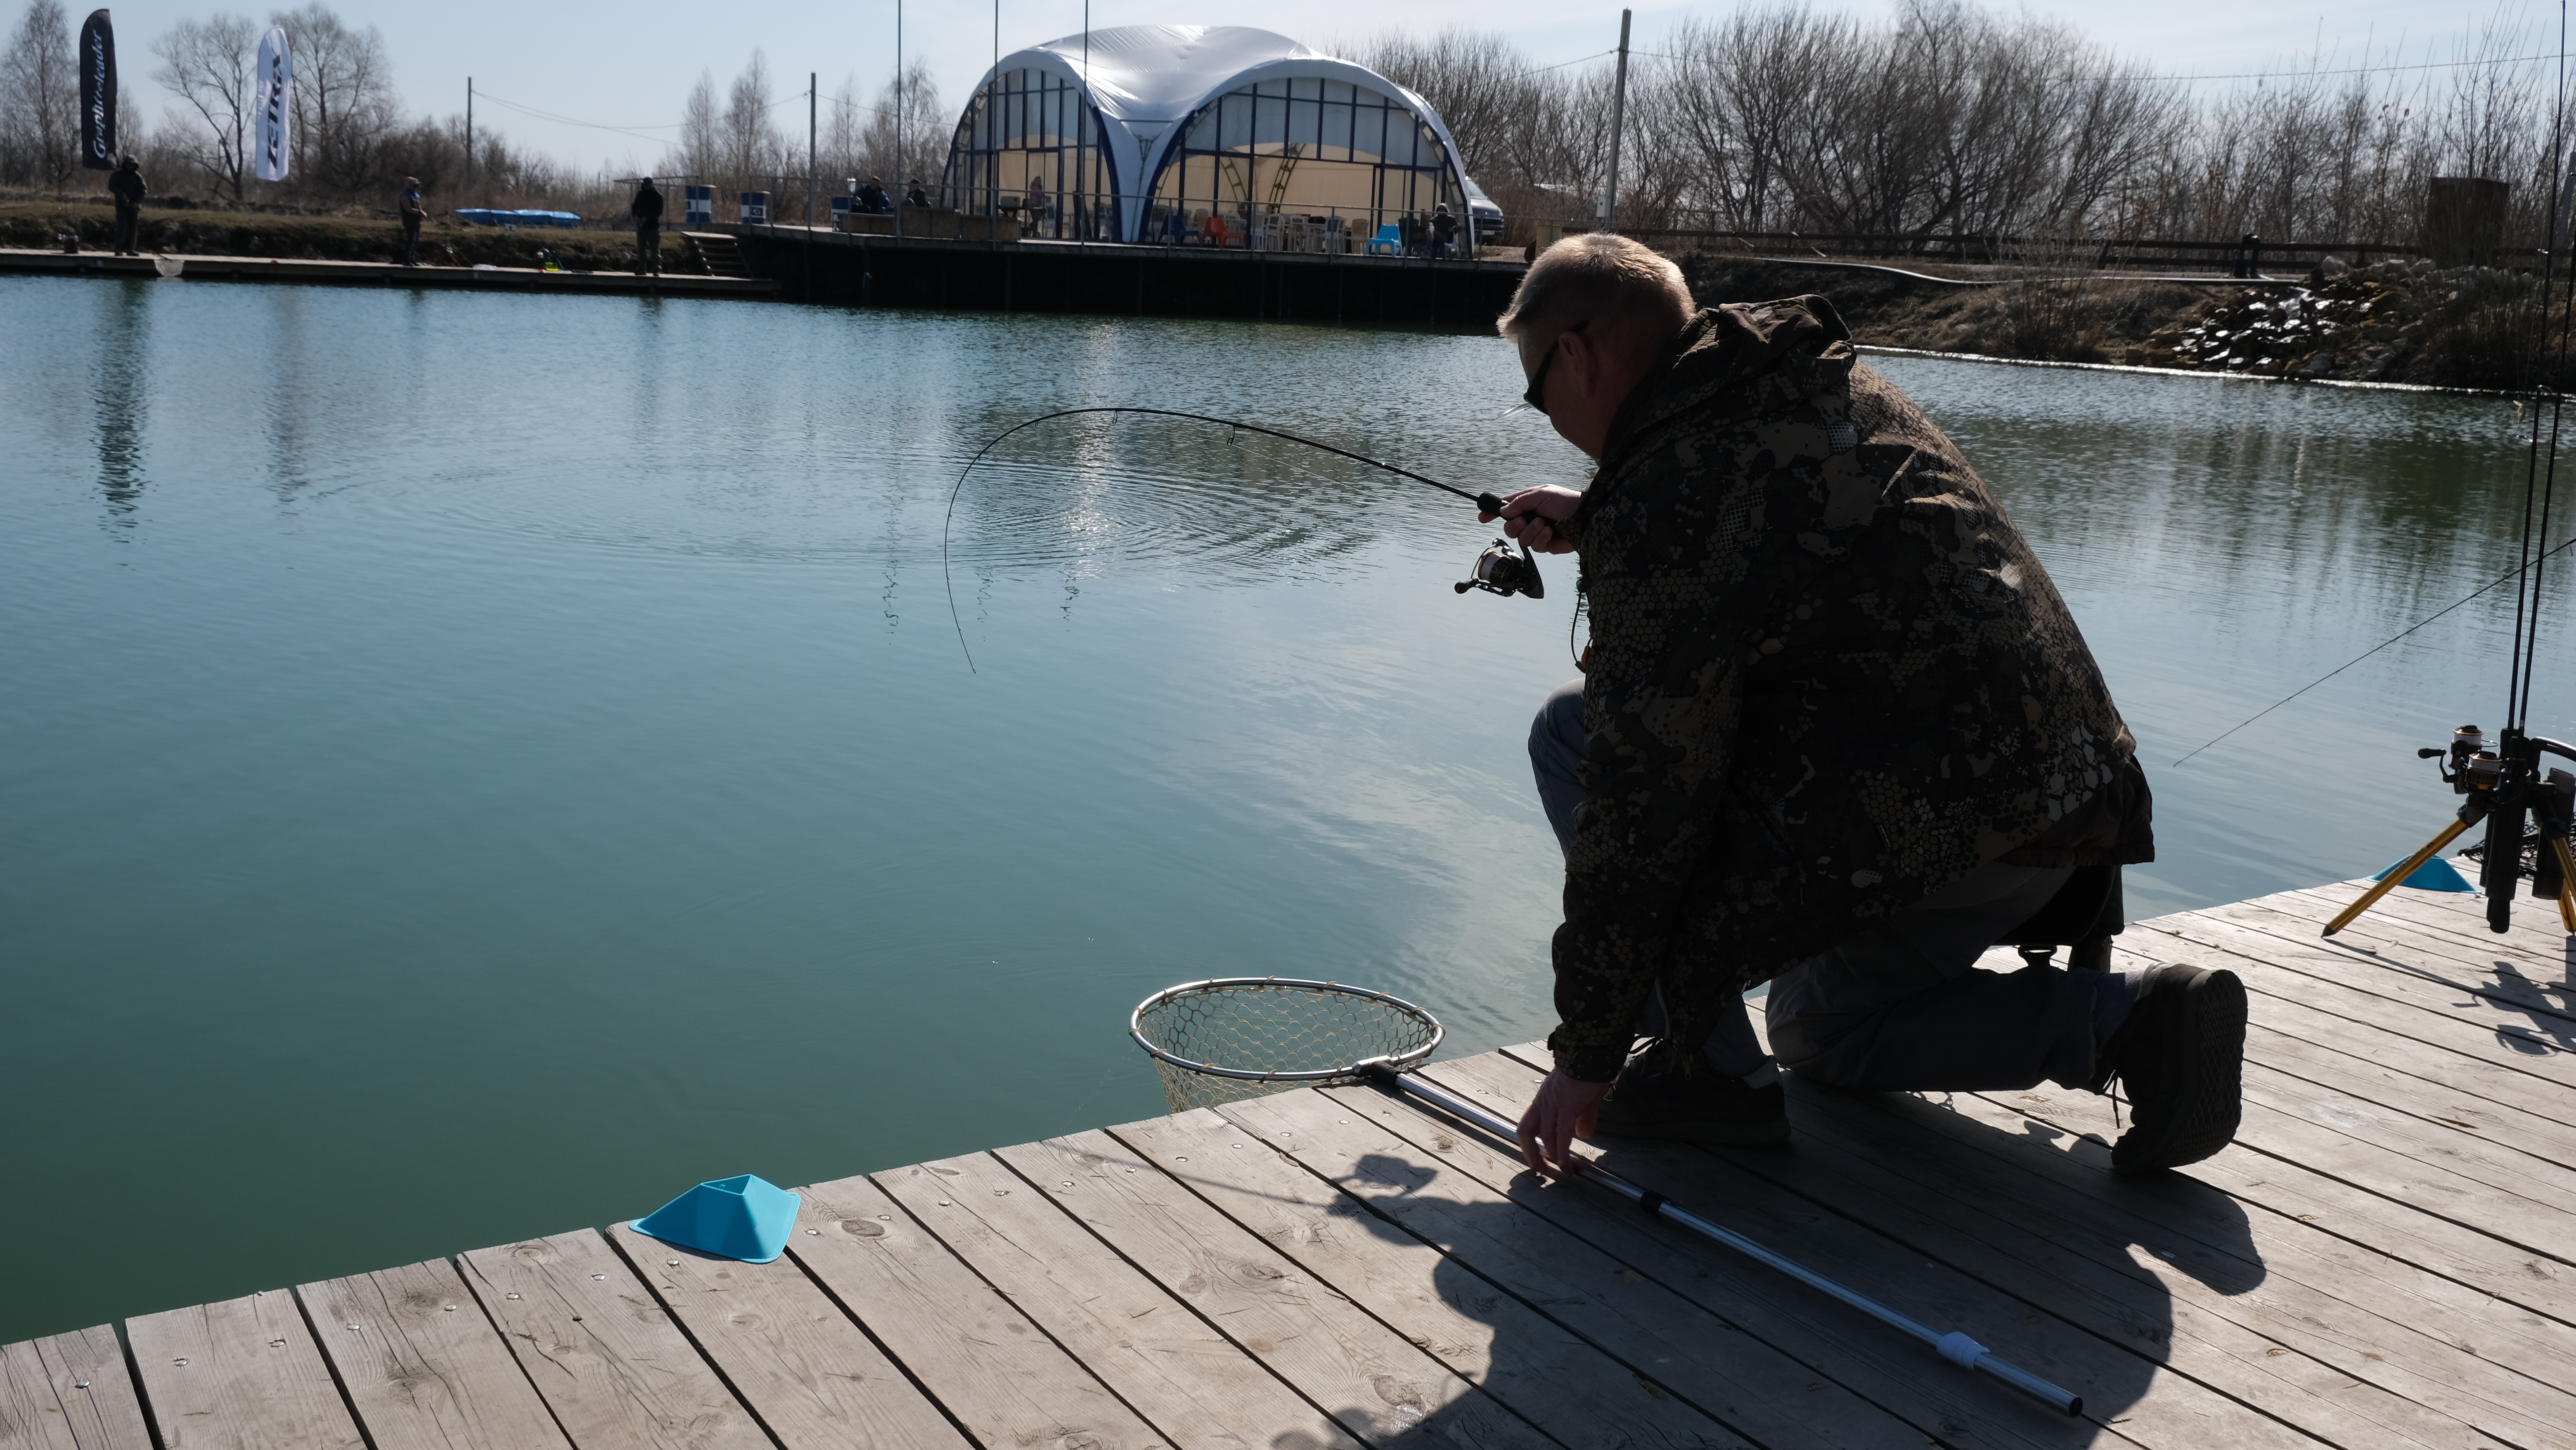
x=2539, y=484
x=2500, y=580
x=1485, y=501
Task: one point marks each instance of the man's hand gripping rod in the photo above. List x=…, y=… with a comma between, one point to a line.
x=1955, y=1347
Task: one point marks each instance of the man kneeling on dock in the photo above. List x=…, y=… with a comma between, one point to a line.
x=1837, y=732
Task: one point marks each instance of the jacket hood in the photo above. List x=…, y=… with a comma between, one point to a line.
x=1767, y=353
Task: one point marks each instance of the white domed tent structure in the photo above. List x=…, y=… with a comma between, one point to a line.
x=1132, y=133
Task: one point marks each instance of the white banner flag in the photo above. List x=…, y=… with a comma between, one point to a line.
x=270, y=149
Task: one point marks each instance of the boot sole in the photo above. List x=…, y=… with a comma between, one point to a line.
x=2214, y=1017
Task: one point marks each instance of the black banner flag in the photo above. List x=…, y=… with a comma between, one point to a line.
x=98, y=93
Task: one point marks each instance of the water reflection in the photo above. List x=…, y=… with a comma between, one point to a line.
x=120, y=383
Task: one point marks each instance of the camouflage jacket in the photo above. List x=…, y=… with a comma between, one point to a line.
x=1827, y=677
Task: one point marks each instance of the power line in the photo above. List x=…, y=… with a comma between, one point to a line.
x=635, y=131
x=2365, y=70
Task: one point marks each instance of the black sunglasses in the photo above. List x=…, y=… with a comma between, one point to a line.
x=1536, y=397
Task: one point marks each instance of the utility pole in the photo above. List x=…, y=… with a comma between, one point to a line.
x=1618, y=123
x=1082, y=132
x=469, y=135
x=898, y=115
x=813, y=88
x=993, y=123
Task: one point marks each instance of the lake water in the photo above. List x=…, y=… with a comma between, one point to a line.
x=474, y=766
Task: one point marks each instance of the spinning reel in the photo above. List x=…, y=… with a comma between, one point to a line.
x=1500, y=571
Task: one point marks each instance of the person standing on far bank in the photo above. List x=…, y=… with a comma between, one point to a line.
x=1836, y=731
x=647, y=211
x=413, y=214
x=1444, y=232
x=126, y=186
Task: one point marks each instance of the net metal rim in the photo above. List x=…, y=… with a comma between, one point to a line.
x=1400, y=1062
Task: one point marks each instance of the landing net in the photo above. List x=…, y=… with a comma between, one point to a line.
x=1239, y=1037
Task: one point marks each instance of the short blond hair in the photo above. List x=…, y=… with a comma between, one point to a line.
x=1599, y=274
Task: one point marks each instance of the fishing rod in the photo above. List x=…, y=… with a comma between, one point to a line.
x=2530, y=816
x=1496, y=571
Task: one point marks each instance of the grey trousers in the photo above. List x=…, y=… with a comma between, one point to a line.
x=1901, y=1005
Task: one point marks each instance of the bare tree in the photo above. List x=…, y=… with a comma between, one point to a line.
x=209, y=65
x=749, y=142
x=40, y=99
x=344, y=101
x=925, y=132
x=696, y=153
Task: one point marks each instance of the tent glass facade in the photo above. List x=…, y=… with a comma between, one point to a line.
x=1306, y=146
x=1029, y=144
x=1212, y=135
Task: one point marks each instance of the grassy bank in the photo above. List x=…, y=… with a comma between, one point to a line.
x=2396, y=322
x=327, y=238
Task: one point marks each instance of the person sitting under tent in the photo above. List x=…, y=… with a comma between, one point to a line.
x=647, y=211
x=1836, y=731
x=914, y=195
x=873, y=200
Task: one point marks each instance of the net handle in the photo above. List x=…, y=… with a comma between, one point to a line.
x=1136, y=1029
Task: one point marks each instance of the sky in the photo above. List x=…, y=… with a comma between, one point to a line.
x=630, y=65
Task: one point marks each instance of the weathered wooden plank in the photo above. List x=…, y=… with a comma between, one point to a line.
x=2303, y=1275
x=1721, y=1359
x=2508, y=1194
x=424, y=1365
x=603, y=1353
x=2118, y=1372
x=2411, y=933
x=1562, y=1384
x=2391, y=1080
x=2489, y=1060
x=2459, y=918
x=806, y=1369
x=2079, y=1126
x=1369, y=1377
x=2496, y=968
x=1191, y=1383
x=978, y=1356
x=2457, y=994
x=2295, y=1328
x=69, y=1392
x=2451, y=1055
x=243, y=1373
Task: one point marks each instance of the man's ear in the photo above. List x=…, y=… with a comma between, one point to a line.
x=1582, y=359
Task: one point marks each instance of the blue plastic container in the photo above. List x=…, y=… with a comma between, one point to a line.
x=746, y=1218
x=2437, y=874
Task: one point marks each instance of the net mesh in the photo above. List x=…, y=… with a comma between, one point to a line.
x=1272, y=1027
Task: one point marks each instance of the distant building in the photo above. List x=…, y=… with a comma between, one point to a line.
x=1175, y=122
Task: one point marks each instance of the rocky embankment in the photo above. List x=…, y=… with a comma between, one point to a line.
x=2397, y=321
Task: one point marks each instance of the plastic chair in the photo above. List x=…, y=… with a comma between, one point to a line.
x=1214, y=230
x=1389, y=236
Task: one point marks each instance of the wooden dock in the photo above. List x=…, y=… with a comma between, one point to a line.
x=195, y=268
x=2387, y=1257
